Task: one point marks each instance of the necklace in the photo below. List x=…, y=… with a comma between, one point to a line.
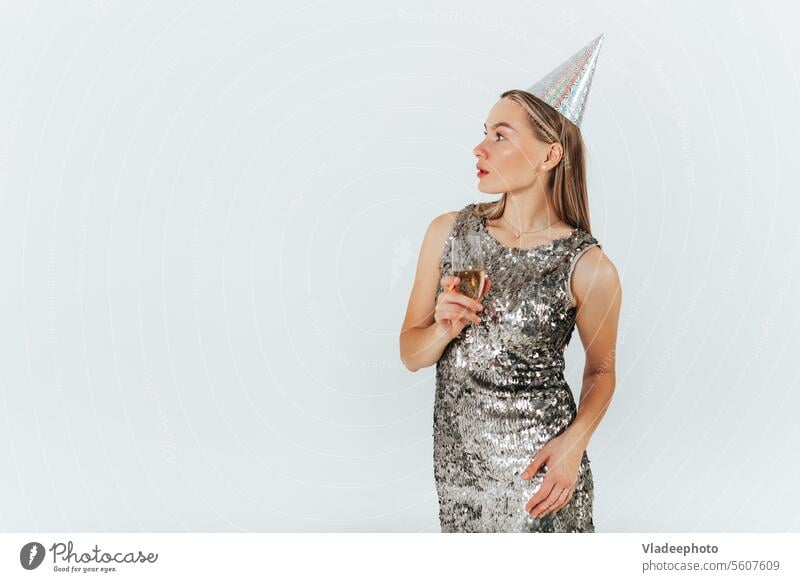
x=520, y=233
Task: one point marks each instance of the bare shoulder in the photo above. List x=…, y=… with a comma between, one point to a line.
x=443, y=223
x=438, y=231
x=426, y=281
x=596, y=275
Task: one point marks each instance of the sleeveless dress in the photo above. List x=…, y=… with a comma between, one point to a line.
x=500, y=389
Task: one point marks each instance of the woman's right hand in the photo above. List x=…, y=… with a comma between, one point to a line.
x=454, y=310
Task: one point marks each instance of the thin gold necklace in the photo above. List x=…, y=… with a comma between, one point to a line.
x=520, y=233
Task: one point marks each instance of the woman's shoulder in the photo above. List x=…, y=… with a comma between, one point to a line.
x=441, y=229
x=443, y=223
x=447, y=220
x=584, y=239
x=591, y=264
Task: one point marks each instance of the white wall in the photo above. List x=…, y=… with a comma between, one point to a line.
x=209, y=224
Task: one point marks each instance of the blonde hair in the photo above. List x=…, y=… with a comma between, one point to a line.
x=568, y=180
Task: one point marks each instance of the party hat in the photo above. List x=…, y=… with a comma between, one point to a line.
x=566, y=87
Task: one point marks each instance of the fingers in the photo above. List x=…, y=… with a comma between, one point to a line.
x=558, y=506
x=536, y=464
x=453, y=312
x=561, y=501
x=463, y=301
x=449, y=282
x=541, y=495
x=543, y=507
x=558, y=497
x=456, y=316
x=456, y=306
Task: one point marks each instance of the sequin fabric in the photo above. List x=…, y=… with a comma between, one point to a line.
x=500, y=389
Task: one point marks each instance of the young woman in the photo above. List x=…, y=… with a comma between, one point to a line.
x=509, y=441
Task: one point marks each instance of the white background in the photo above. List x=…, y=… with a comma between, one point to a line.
x=210, y=220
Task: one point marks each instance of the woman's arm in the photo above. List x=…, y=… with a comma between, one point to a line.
x=598, y=293
x=421, y=347
x=596, y=289
x=422, y=338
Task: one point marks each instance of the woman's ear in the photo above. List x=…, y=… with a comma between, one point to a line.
x=554, y=154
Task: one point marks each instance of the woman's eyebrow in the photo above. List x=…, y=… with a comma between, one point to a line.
x=499, y=123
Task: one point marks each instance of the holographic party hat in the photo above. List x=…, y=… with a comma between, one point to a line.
x=566, y=87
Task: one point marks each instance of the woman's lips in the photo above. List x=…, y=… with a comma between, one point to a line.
x=482, y=173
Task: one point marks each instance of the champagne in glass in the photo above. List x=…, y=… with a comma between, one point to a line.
x=470, y=282
x=467, y=261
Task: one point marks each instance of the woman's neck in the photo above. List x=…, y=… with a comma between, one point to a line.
x=529, y=211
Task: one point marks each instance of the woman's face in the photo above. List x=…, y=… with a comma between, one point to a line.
x=510, y=152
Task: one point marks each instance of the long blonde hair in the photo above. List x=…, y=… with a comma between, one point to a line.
x=568, y=180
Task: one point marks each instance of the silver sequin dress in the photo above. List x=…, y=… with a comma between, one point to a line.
x=500, y=389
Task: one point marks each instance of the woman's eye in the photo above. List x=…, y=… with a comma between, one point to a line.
x=498, y=135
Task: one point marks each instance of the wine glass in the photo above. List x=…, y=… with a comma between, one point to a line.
x=468, y=265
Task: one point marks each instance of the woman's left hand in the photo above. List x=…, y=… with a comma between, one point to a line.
x=562, y=455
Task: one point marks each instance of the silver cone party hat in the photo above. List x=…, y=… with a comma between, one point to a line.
x=566, y=87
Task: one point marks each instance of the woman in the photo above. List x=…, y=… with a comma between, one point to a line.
x=509, y=440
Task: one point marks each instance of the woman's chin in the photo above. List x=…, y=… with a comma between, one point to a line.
x=487, y=188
